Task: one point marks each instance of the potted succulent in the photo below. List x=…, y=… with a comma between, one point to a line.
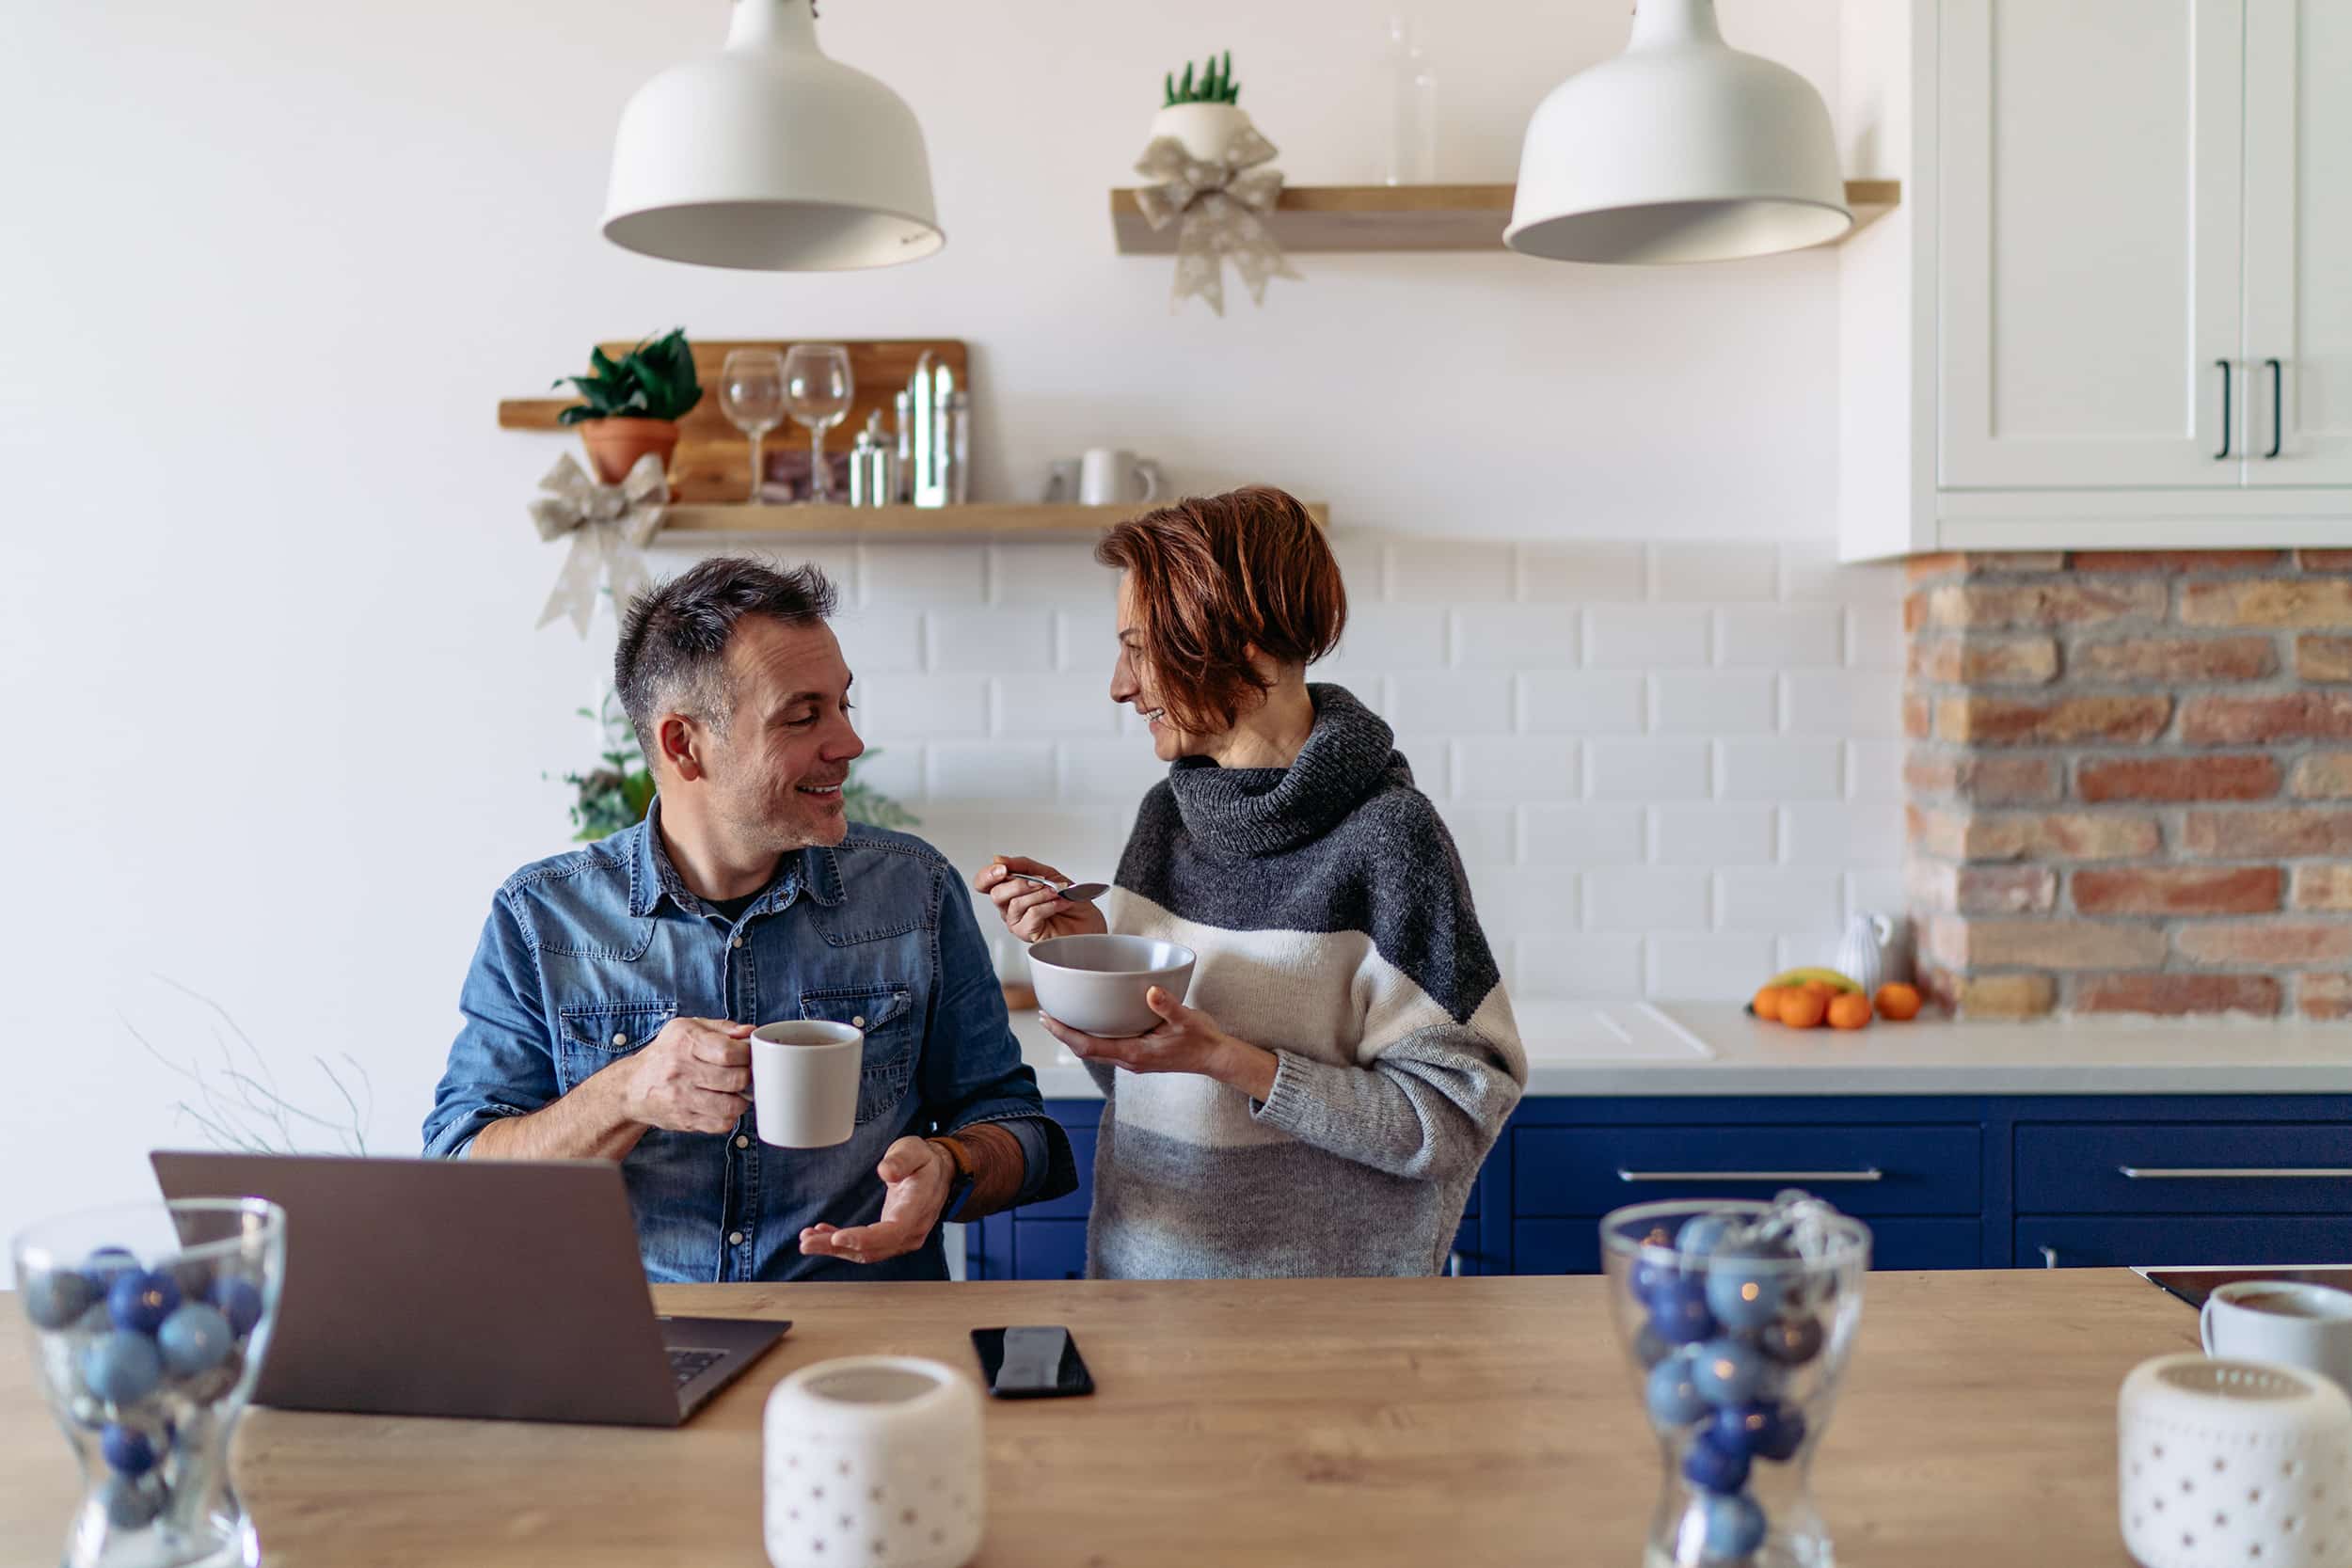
x=1202, y=114
x=630, y=405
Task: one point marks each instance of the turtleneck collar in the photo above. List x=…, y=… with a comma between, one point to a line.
x=1350, y=753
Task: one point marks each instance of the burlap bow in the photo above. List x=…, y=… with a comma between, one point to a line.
x=1219, y=204
x=608, y=524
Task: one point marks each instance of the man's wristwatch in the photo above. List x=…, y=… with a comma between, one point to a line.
x=960, y=1188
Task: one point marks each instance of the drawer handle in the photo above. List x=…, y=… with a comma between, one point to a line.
x=2234, y=1173
x=1873, y=1174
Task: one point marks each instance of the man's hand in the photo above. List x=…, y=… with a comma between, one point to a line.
x=916, y=1176
x=694, y=1078
x=1186, y=1040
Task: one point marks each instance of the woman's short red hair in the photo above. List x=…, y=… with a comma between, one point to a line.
x=1217, y=579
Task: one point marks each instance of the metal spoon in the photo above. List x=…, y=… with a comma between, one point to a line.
x=1077, y=893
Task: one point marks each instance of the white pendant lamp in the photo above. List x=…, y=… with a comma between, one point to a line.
x=1681, y=148
x=771, y=157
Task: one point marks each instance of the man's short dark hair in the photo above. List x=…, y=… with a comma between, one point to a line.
x=674, y=639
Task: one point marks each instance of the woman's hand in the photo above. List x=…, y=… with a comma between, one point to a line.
x=1032, y=912
x=1186, y=1040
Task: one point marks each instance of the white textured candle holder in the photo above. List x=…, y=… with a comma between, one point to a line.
x=874, y=1462
x=2234, y=1465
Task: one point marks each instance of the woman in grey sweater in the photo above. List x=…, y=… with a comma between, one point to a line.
x=1348, y=1055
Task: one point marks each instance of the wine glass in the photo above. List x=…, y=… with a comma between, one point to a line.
x=751, y=394
x=817, y=391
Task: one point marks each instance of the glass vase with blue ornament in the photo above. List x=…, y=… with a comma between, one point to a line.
x=149, y=1326
x=1738, y=1317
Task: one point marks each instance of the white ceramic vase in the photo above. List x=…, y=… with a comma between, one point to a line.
x=1204, y=129
x=2226, y=1463
x=874, y=1462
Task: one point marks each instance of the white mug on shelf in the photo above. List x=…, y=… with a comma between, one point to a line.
x=2283, y=1321
x=804, y=1082
x=1108, y=476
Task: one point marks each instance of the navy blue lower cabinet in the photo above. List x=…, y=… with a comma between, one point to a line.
x=2065, y=1241
x=2139, y=1167
x=1573, y=1245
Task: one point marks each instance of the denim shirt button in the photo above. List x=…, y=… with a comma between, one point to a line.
x=858, y=1023
x=737, y=943
x=743, y=1142
x=619, y=1038
x=734, y=1238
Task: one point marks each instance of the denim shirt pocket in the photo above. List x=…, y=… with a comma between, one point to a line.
x=886, y=1013
x=593, y=1035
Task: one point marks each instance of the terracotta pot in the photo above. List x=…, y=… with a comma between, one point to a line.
x=615, y=445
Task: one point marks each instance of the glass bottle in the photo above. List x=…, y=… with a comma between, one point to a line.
x=1412, y=106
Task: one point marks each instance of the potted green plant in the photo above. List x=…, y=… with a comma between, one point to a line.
x=630, y=405
x=1202, y=114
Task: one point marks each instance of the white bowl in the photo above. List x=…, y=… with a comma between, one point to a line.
x=1097, y=984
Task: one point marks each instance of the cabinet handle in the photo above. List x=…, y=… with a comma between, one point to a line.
x=1453, y=1265
x=2278, y=407
x=2234, y=1173
x=2049, y=1257
x=2225, y=410
x=1873, y=1174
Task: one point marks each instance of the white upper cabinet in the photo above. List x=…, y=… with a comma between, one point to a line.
x=2115, y=307
x=2298, y=242
x=2089, y=271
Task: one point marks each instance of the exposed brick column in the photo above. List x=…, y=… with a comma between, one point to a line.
x=2130, y=779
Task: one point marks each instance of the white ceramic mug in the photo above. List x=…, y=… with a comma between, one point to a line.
x=2283, y=1320
x=805, y=1078
x=1113, y=477
x=874, y=1462
x=2231, y=1463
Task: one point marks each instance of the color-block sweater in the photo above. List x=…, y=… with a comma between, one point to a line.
x=1334, y=928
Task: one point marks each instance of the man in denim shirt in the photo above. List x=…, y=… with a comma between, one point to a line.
x=611, y=1001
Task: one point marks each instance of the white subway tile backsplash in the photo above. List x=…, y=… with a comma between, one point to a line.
x=958, y=642
x=1712, y=571
x=1514, y=899
x=1644, y=899
x=1061, y=572
x=1483, y=835
x=1648, y=769
x=879, y=639
x=1590, y=965
x=1449, y=701
x=1581, y=701
x=1020, y=772
x=1583, y=572
x=1087, y=640
x=1866, y=704
x=1877, y=891
x=1778, y=637
x=1514, y=768
x=1035, y=707
x=1780, y=770
x=1710, y=836
x=1440, y=572
x=1874, y=636
x=915, y=708
x=1393, y=637
x=1810, y=573
x=1638, y=637
x=1111, y=772
x=1364, y=565
x=896, y=771
x=1712, y=703
x=924, y=574
x=1846, y=832
x=1874, y=769
x=1580, y=835
x=1793, y=901
x=1431, y=758
x=1724, y=968
x=1517, y=636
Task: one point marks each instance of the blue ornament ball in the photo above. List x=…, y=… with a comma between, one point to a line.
x=53, y=1300
x=240, y=1302
x=1652, y=1274
x=1648, y=1349
x=123, y=1367
x=109, y=1262
x=1743, y=1291
x=194, y=1276
x=1678, y=1311
x=1725, y=1372
x=195, y=1340
x=1735, y=1527
x=1714, y=1466
x=1701, y=1234
x=130, y=1504
x=1791, y=1341
x=1674, y=1400
x=1765, y=1427
x=140, y=1301
x=128, y=1449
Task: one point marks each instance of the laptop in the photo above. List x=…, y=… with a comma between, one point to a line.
x=494, y=1289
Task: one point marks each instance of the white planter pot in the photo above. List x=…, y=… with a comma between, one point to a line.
x=874, y=1462
x=1202, y=128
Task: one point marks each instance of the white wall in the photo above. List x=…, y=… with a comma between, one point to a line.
x=279, y=716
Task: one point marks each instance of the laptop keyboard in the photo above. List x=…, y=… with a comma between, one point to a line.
x=688, y=1364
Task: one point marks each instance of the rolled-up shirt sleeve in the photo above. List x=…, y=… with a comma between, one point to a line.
x=501, y=1063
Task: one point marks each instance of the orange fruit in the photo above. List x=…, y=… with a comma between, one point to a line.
x=1898, y=1001
x=1851, y=1010
x=1767, y=1003
x=1804, y=1007
x=1820, y=988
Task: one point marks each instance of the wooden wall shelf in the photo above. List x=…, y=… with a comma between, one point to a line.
x=1412, y=217
x=982, y=520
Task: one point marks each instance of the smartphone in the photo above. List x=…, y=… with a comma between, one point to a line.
x=1032, y=1363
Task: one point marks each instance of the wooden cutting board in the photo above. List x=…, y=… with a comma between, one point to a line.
x=712, y=466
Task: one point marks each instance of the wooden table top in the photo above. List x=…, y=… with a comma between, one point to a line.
x=1486, y=1421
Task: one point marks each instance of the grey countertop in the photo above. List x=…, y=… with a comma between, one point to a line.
x=1582, y=1048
